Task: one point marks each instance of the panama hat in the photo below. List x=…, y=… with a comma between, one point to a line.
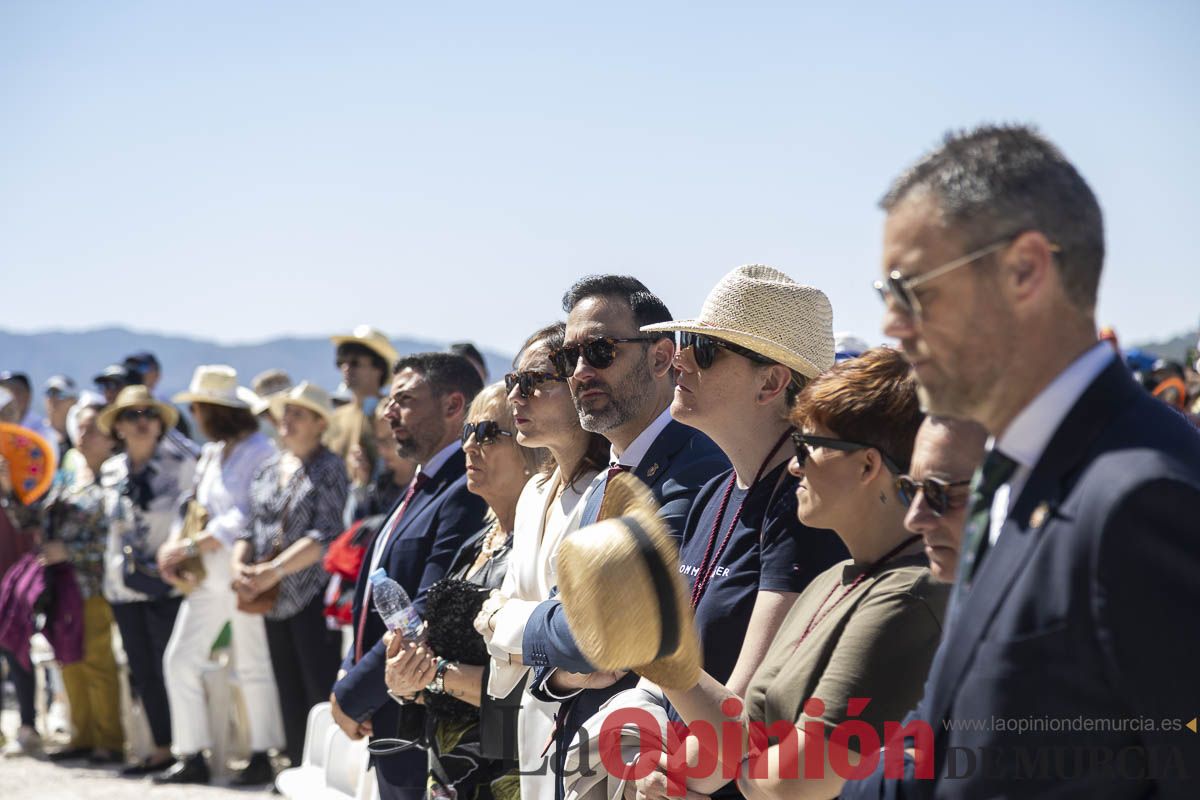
x=762, y=309
x=306, y=395
x=271, y=382
x=136, y=396
x=216, y=384
x=373, y=339
x=621, y=592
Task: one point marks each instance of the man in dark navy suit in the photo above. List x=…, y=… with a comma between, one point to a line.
x=430, y=394
x=623, y=384
x=1069, y=662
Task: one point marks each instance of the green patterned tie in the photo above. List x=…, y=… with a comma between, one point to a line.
x=996, y=470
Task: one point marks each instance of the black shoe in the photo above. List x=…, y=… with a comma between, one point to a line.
x=70, y=754
x=192, y=769
x=258, y=771
x=101, y=757
x=146, y=768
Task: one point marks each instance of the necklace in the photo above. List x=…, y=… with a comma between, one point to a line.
x=870, y=570
x=707, y=569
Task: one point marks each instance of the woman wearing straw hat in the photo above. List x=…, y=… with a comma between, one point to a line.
x=865, y=628
x=228, y=463
x=144, y=485
x=296, y=504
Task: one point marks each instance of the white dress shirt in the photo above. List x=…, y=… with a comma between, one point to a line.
x=1028, y=435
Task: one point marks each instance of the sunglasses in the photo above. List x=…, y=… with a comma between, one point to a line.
x=134, y=414
x=704, y=349
x=485, y=431
x=353, y=362
x=599, y=353
x=902, y=290
x=804, y=444
x=937, y=492
x=528, y=381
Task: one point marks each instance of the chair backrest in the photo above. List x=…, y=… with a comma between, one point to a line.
x=346, y=763
x=320, y=720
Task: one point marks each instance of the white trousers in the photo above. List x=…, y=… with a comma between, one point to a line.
x=201, y=616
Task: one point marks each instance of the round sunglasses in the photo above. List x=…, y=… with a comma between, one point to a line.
x=527, y=381
x=599, y=353
x=485, y=431
x=937, y=492
x=704, y=349
x=804, y=444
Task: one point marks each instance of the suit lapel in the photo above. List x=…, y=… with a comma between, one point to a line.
x=449, y=472
x=657, y=461
x=1048, y=484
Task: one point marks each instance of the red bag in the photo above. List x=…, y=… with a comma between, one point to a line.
x=343, y=560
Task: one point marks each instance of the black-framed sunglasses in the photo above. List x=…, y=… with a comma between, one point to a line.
x=527, y=381
x=485, y=431
x=704, y=349
x=804, y=443
x=599, y=353
x=134, y=414
x=937, y=492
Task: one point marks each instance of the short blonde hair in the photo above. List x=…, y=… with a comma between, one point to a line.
x=492, y=403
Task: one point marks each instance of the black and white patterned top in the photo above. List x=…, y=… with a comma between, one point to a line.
x=310, y=504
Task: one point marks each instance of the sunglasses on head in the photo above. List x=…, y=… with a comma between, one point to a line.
x=704, y=349
x=528, y=381
x=485, y=431
x=599, y=353
x=804, y=444
x=134, y=414
x=937, y=492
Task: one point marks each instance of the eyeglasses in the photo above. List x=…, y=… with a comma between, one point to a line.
x=803, y=444
x=599, y=353
x=134, y=414
x=901, y=289
x=353, y=362
x=486, y=431
x=937, y=492
x=528, y=381
x=704, y=349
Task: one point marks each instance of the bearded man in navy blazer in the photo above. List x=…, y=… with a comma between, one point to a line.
x=430, y=394
x=622, y=383
x=1069, y=663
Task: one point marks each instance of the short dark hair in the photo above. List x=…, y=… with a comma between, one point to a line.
x=222, y=423
x=16, y=377
x=355, y=349
x=1000, y=180
x=467, y=350
x=646, y=307
x=445, y=373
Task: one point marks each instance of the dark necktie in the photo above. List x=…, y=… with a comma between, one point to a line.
x=997, y=469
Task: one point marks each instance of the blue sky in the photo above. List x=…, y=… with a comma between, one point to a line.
x=245, y=170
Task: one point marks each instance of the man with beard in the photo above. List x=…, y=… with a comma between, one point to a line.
x=430, y=394
x=622, y=382
x=1076, y=594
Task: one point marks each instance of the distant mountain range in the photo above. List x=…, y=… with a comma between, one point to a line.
x=83, y=354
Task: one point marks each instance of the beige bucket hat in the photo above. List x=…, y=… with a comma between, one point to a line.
x=764, y=310
x=622, y=594
x=306, y=395
x=373, y=339
x=136, y=396
x=216, y=384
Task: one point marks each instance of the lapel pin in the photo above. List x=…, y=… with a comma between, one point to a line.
x=1038, y=518
x=650, y=473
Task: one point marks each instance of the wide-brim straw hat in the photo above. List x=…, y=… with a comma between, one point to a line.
x=625, y=602
x=216, y=384
x=373, y=339
x=137, y=396
x=764, y=310
x=305, y=395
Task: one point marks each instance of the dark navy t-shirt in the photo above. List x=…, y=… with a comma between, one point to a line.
x=769, y=550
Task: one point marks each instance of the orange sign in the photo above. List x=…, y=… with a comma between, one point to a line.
x=31, y=461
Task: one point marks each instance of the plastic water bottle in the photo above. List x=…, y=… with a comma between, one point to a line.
x=392, y=603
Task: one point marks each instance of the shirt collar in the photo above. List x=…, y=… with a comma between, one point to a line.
x=1029, y=433
x=633, y=455
x=438, y=460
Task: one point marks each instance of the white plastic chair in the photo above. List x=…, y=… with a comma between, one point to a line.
x=307, y=779
x=346, y=765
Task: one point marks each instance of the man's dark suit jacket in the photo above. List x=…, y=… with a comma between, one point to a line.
x=1086, y=609
x=437, y=521
x=677, y=465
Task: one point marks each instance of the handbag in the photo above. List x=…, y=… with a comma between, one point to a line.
x=191, y=570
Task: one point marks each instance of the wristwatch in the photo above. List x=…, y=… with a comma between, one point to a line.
x=438, y=684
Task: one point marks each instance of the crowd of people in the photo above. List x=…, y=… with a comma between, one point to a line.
x=722, y=523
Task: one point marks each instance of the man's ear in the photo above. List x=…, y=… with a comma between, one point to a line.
x=662, y=351
x=453, y=404
x=1027, y=268
x=775, y=381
